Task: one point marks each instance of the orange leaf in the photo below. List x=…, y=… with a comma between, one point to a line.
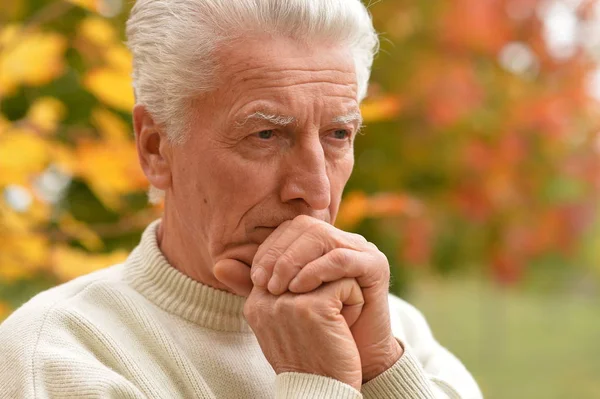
x=381, y=109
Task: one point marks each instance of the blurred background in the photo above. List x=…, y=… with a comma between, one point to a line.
x=478, y=173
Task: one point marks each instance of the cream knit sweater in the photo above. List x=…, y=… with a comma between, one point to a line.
x=141, y=329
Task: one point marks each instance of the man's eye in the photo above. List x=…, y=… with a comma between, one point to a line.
x=341, y=134
x=265, y=134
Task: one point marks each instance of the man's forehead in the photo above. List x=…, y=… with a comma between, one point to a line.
x=282, y=62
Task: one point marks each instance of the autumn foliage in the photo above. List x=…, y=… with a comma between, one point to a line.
x=484, y=137
x=470, y=158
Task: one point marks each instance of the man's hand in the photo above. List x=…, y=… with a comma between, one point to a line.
x=304, y=253
x=309, y=333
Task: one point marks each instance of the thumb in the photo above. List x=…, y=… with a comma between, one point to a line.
x=235, y=275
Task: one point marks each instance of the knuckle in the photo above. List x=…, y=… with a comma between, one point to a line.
x=321, y=228
x=285, y=260
x=382, y=259
x=385, y=273
x=316, y=233
x=372, y=246
x=384, y=270
x=270, y=257
x=339, y=256
x=313, y=237
x=315, y=228
x=303, y=219
x=281, y=306
x=357, y=238
x=303, y=306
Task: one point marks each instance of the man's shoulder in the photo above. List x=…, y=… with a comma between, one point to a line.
x=25, y=323
x=47, y=322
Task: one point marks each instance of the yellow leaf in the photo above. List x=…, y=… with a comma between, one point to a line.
x=86, y=236
x=5, y=310
x=92, y=5
x=22, y=255
x=12, y=271
x=356, y=206
x=22, y=154
x=46, y=113
x=12, y=222
x=69, y=263
x=4, y=125
x=97, y=31
x=111, y=126
x=352, y=210
x=33, y=59
x=38, y=213
x=390, y=204
x=63, y=157
x=13, y=10
x=120, y=59
x=112, y=87
x=111, y=169
x=8, y=34
x=381, y=109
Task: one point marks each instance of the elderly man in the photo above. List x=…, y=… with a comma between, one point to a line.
x=246, y=115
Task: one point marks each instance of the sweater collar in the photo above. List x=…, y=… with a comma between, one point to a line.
x=149, y=273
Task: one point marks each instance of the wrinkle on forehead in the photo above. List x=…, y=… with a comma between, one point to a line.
x=336, y=82
x=275, y=78
x=283, y=62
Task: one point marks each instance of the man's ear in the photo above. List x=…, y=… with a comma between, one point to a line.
x=152, y=148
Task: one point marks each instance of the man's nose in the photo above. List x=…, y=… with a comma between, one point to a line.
x=305, y=176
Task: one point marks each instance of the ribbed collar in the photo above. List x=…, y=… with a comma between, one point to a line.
x=149, y=273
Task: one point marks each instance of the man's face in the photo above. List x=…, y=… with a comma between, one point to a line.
x=273, y=142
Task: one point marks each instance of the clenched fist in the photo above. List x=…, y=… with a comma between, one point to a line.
x=309, y=333
x=303, y=256
x=305, y=252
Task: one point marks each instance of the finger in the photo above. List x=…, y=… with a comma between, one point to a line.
x=337, y=264
x=350, y=297
x=260, y=277
x=305, y=249
x=271, y=250
x=262, y=248
x=235, y=275
x=315, y=241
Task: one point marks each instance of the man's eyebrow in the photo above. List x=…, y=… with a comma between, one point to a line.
x=283, y=120
x=280, y=120
x=351, y=117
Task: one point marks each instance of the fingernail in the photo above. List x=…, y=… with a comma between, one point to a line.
x=259, y=277
x=274, y=285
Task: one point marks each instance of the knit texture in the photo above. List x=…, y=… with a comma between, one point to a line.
x=142, y=329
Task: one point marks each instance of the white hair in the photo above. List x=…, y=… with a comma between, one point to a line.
x=173, y=44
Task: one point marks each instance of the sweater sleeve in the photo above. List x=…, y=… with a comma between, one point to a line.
x=301, y=385
x=426, y=370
